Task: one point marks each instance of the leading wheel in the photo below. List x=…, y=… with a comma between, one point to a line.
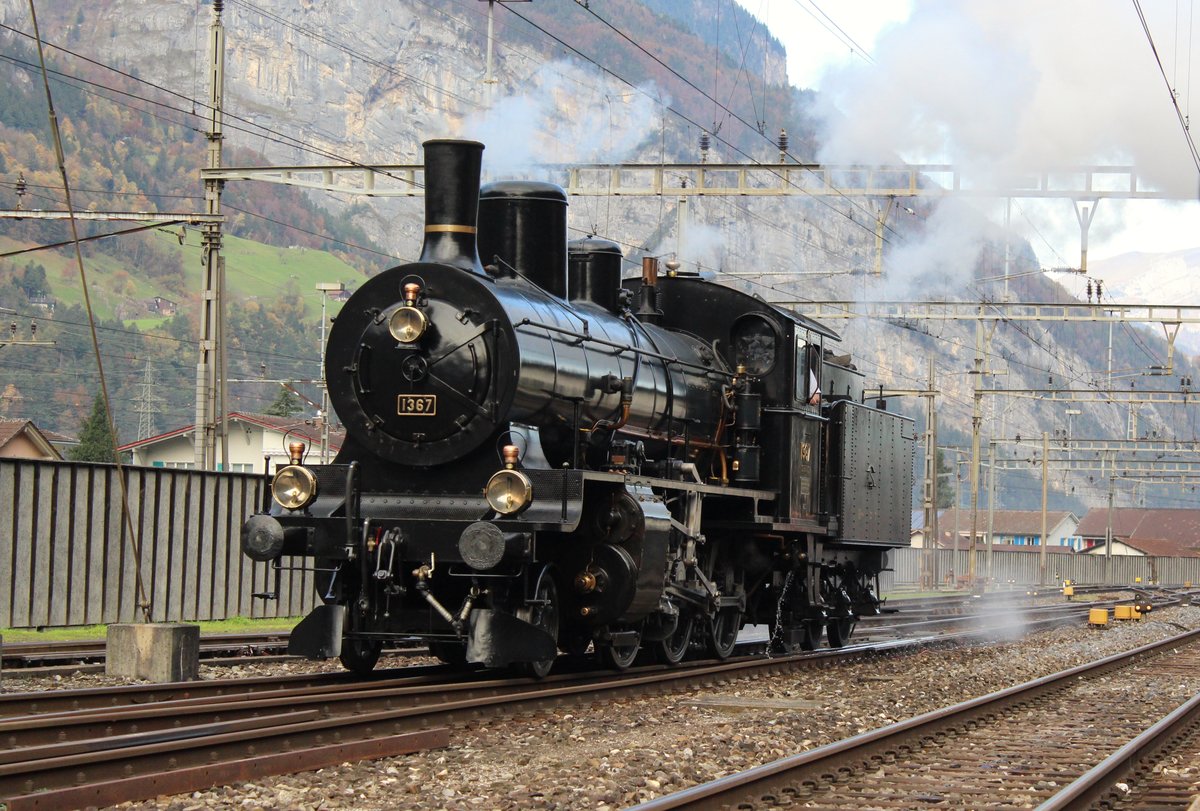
x=671, y=650
x=839, y=631
x=813, y=631
x=723, y=632
x=619, y=656
x=360, y=655
x=542, y=613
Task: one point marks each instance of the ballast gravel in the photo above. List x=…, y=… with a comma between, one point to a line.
x=618, y=753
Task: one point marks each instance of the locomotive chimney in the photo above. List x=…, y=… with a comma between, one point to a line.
x=452, y=203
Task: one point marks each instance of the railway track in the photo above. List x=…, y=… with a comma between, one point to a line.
x=66, y=758
x=76, y=748
x=1011, y=749
x=18, y=655
x=216, y=650
x=903, y=617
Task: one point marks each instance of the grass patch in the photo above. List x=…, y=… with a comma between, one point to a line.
x=914, y=595
x=252, y=270
x=236, y=625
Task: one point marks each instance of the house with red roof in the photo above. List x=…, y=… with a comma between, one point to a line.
x=255, y=442
x=1012, y=530
x=1137, y=531
x=21, y=439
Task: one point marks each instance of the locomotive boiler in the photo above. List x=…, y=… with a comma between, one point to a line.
x=544, y=457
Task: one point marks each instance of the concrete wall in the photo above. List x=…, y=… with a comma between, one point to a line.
x=71, y=555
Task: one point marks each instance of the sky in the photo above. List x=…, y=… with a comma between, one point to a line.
x=1006, y=86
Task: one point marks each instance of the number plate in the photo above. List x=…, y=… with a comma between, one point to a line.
x=416, y=405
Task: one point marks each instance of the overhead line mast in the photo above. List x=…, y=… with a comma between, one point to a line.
x=210, y=368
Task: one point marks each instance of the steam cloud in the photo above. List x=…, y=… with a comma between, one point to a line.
x=554, y=120
x=1005, y=88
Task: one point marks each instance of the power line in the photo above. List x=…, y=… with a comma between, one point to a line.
x=678, y=113
x=832, y=27
x=249, y=127
x=1183, y=122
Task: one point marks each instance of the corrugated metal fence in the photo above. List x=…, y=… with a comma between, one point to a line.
x=70, y=559
x=1024, y=568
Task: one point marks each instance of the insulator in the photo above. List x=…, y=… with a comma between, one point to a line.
x=783, y=141
x=705, y=143
x=1089, y=290
x=33, y=330
x=1097, y=291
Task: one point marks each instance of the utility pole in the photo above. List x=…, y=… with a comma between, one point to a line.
x=1085, y=220
x=991, y=504
x=488, y=78
x=210, y=368
x=326, y=288
x=681, y=237
x=880, y=222
x=957, y=513
x=930, y=500
x=976, y=424
x=1045, y=482
x=1007, y=244
x=1108, y=535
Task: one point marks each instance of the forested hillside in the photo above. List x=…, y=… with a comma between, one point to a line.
x=144, y=285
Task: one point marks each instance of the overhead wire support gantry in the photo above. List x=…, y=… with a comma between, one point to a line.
x=987, y=316
x=727, y=179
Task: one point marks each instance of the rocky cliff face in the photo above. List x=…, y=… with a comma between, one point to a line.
x=311, y=82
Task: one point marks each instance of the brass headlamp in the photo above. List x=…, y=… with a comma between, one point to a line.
x=509, y=491
x=294, y=487
x=407, y=324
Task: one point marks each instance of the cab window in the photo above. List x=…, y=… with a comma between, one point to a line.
x=808, y=371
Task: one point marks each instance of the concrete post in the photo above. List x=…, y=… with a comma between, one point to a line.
x=156, y=652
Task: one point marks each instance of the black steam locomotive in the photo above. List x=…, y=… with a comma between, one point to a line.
x=541, y=457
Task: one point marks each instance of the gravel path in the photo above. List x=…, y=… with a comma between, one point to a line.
x=619, y=753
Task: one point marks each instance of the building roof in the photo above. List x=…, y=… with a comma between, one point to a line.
x=59, y=439
x=11, y=429
x=293, y=426
x=1095, y=522
x=1004, y=522
x=1165, y=532
x=1051, y=549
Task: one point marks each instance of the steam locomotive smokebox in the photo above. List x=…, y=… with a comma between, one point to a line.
x=594, y=272
x=158, y=652
x=524, y=222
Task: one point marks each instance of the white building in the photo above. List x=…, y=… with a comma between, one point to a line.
x=253, y=439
